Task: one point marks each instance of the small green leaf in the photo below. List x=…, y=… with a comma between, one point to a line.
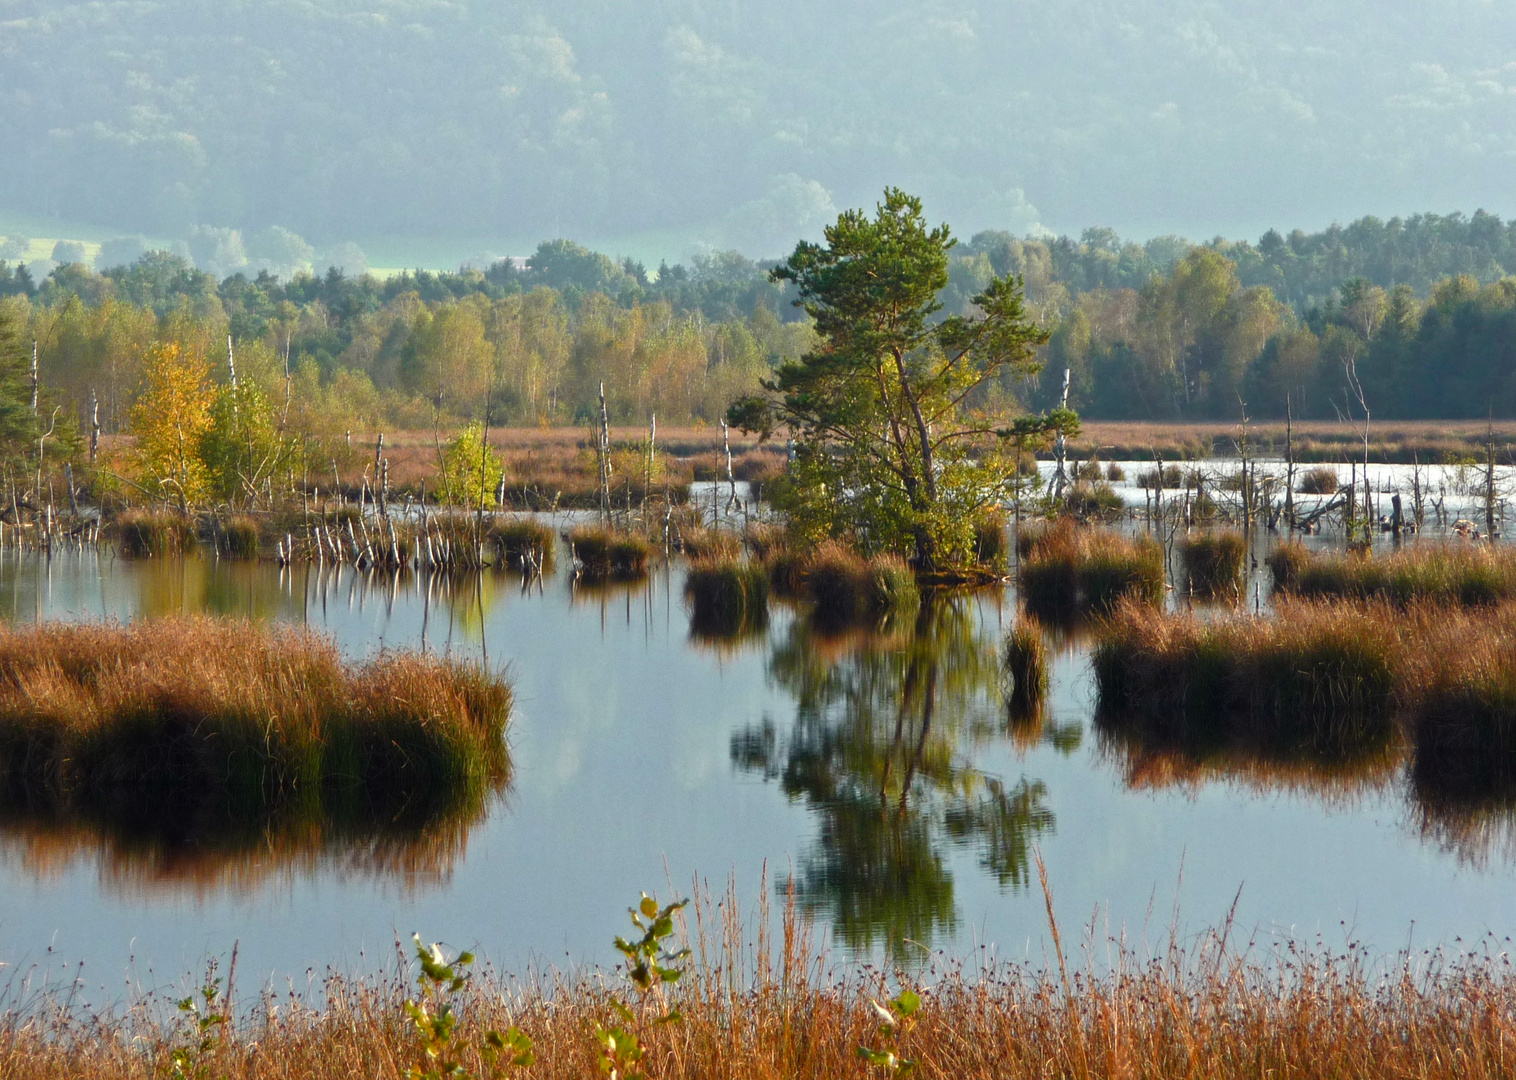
x=649, y=906
x=907, y=1003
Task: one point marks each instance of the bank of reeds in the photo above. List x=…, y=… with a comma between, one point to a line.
x=1025, y=655
x=609, y=553
x=525, y=543
x=847, y=588
x=1456, y=573
x=1214, y=562
x=1320, y=679
x=146, y=534
x=230, y=723
x=728, y=596
x=1067, y=572
x=754, y=1006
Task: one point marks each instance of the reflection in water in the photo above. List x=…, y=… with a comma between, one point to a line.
x=882, y=751
x=1147, y=759
x=137, y=861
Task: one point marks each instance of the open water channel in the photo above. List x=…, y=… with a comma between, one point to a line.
x=645, y=758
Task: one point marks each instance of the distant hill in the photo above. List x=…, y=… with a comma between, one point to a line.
x=746, y=124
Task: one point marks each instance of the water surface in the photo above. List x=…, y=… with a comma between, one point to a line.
x=877, y=771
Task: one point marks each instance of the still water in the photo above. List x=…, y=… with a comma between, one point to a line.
x=879, y=773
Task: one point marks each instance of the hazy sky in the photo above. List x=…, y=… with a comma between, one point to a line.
x=731, y=122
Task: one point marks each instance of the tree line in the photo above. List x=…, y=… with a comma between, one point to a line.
x=1420, y=309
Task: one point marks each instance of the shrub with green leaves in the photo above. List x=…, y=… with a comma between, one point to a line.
x=440, y=1048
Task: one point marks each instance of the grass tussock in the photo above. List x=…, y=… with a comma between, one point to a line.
x=1318, y=680
x=727, y=596
x=1321, y=480
x=699, y=542
x=179, y=722
x=1214, y=562
x=607, y=554
x=783, y=1009
x=1092, y=500
x=525, y=543
x=1067, y=572
x=1456, y=574
x=146, y=534
x=239, y=537
x=847, y=588
x=1025, y=655
x=1463, y=680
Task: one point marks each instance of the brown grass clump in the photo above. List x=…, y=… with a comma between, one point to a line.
x=606, y=553
x=1214, y=562
x=1321, y=480
x=728, y=596
x=227, y=736
x=1317, y=680
x=1459, y=574
x=1209, y=1009
x=145, y=534
x=525, y=543
x=703, y=543
x=1067, y=572
x=1026, y=669
x=847, y=588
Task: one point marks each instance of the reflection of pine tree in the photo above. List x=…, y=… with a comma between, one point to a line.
x=882, y=751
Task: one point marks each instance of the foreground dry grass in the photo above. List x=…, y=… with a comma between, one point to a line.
x=1215, y=1011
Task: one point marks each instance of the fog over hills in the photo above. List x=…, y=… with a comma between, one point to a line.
x=744, y=124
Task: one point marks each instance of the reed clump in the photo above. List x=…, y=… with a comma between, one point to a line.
x=847, y=588
x=525, y=543
x=240, y=537
x=727, y=595
x=1320, y=679
x=1067, y=572
x=200, y=720
x=699, y=542
x=146, y=534
x=1025, y=655
x=1452, y=574
x=608, y=553
x=1208, y=1008
x=1321, y=480
x=1096, y=499
x=1463, y=677
x=1214, y=562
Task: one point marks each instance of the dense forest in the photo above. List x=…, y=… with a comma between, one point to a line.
x=1422, y=311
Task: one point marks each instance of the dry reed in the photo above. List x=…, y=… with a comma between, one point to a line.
x=225, y=724
x=752, y=1006
x=606, y=553
x=525, y=543
x=847, y=588
x=1025, y=655
x=145, y=534
x=1067, y=572
x=1214, y=562
x=728, y=596
x=1318, y=680
x=1457, y=573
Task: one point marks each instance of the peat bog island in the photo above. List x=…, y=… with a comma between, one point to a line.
x=857, y=647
